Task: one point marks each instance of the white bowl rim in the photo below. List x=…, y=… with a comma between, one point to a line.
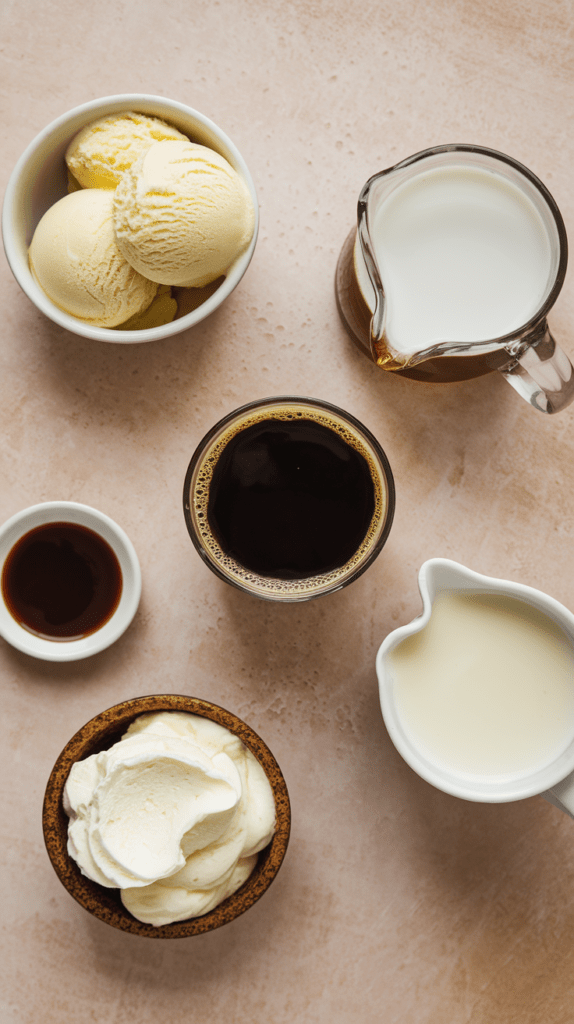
x=72, y=650
x=33, y=291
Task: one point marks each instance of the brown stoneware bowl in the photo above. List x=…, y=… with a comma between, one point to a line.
x=99, y=734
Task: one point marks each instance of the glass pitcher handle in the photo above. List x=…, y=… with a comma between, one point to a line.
x=540, y=371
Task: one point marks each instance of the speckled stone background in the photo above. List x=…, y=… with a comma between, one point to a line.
x=396, y=904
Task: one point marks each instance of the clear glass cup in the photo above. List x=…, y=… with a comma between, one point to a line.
x=196, y=498
x=527, y=356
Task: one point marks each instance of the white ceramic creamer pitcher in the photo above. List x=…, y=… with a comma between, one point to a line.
x=477, y=693
x=458, y=256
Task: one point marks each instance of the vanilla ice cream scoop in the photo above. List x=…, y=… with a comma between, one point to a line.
x=99, y=154
x=173, y=814
x=182, y=214
x=75, y=260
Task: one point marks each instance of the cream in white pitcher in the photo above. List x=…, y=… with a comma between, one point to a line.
x=477, y=692
x=487, y=687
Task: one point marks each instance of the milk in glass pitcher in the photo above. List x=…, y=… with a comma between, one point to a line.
x=459, y=254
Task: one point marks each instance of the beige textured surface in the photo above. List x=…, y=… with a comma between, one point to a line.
x=395, y=903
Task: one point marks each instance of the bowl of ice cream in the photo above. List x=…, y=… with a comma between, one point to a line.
x=166, y=809
x=130, y=218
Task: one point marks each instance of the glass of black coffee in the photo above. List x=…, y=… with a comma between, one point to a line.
x=289, y=498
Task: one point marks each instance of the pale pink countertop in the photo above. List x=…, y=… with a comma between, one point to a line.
x=396, y=903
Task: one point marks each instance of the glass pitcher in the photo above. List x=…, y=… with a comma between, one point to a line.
x=459, y=254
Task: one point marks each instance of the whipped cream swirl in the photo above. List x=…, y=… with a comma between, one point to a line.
x=173, y=814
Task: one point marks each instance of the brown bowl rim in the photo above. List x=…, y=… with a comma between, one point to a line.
x=105, y=904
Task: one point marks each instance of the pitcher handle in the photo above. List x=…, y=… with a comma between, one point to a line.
x=562, y=795
x=540, y=371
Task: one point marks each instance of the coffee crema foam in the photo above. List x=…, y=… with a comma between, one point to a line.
x=199, y=500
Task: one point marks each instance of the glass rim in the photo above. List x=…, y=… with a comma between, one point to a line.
x=386, y=481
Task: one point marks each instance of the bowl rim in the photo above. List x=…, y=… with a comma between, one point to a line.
x=100, y=107
x=14, y=528
x=98, y=900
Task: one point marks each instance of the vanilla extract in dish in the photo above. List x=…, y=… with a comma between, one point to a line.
x=61, y=581
x=290, y=498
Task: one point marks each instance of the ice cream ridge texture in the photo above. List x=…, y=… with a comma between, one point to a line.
x=173, y=815
x=75, y=259
x=182, y=214
x=99, y=154
x=147, y=207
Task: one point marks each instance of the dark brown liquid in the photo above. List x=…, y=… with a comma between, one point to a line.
x=61, y=581
x=290, y=499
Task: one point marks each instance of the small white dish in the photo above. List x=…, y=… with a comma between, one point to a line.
x=72, y=512
x=39, y=180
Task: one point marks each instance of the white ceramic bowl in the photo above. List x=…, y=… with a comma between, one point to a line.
x=39, y=179
x=71, y=512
